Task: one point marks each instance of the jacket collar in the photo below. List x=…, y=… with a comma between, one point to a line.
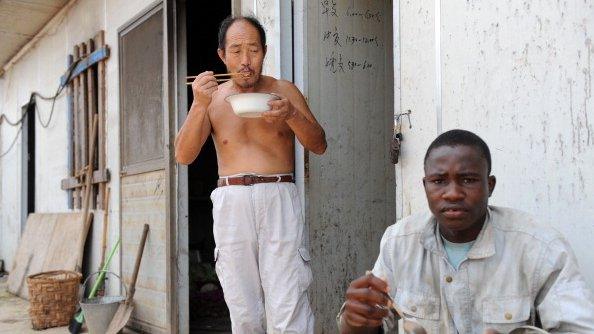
x=483, y=247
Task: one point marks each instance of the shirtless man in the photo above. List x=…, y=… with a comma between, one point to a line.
x=261, y=257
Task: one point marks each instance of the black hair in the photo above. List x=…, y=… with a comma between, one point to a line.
x=461, y=137
x=229, y=20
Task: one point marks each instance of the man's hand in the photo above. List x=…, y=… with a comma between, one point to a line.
x=203, y=86
x=366, y=302
x=280, y=110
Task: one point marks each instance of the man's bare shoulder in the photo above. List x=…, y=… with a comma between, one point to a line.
x=285, y=86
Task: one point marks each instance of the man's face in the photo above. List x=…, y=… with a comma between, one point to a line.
x=243, y=53
x=458, y=187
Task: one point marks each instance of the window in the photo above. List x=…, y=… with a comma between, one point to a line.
x=141, y=94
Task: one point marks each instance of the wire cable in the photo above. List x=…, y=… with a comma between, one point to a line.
x=32, y=97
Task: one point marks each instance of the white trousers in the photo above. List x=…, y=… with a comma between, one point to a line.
x=261, y=259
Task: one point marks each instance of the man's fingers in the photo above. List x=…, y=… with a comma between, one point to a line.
x=202, y=75
x=276, y=102
x=366, y=310
x=273, y=113
x=203, y=78
x=211, y=90
x=357, y=320
x=206, y=80
x=372, y=281
x=203, y=83
x=209, y=85
x=368, y=296
x=279, y=96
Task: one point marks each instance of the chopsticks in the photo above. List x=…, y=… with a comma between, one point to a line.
x=221, y=77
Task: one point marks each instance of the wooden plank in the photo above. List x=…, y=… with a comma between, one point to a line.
x=76, y=130
x=29, y=256
x=85, y=122
x=143, y=201
x=100, y=43
x=92, y=110
x=70, y=98
x=51, y=241
x=67, y=236
x=99, y=177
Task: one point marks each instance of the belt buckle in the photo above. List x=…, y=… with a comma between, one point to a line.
x=248, y=180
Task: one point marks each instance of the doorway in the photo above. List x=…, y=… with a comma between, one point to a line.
x=208, y=312
x=28, y=163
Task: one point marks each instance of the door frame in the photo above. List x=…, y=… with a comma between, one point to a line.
x=170, y=108
x=177, y=175
x=28, y=128
x=179, y=182
x=140, y=17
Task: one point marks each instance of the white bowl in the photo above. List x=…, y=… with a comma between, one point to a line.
x=250, y=105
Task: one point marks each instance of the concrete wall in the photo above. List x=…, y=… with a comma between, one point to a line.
x=519, y=74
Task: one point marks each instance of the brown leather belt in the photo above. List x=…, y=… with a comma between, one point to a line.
x=248, y=180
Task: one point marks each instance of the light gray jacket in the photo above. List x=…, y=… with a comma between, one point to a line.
x=518, y=268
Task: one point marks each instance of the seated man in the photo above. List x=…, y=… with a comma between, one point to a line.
x=467, y=267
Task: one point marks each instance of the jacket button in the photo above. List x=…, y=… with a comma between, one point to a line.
x=414, y=309
x=508, y=316
x=449, y=279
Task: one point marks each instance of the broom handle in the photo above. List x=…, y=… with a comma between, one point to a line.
x=103, y=270
x=105, y=218
x=137, y=264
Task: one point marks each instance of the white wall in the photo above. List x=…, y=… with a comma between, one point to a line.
x=519, y=74
x=40, y=70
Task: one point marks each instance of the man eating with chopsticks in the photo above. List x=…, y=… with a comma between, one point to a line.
x=261, y=257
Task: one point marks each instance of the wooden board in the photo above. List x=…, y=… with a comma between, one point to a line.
x=51, y=241
x=100, y=42
x=143, y=201
x=76, y=129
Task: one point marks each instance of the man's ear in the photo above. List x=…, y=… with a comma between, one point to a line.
x=221, y=53
x=265, y=48
x=491, y=181
x=424, y=182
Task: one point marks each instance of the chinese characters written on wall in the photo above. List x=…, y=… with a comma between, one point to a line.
x=341, y=48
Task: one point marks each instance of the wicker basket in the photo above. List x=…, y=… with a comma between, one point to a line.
x=53, y=296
